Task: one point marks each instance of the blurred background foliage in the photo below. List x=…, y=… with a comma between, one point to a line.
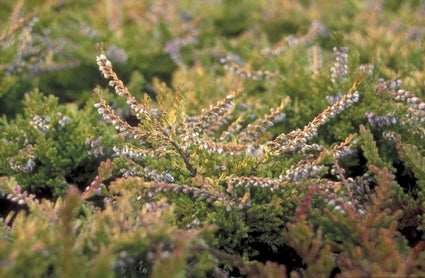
x=170, y=40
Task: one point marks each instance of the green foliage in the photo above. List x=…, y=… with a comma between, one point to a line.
x=415, y=161
x=69, y=238
x=370, y=151
x=365, y=243
x=46, y=148
x=412, y=157
x=248, y=142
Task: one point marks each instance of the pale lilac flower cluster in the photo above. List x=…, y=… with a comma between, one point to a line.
x=155, y=206
x=316, y=29
x=368, y=69
x=161, y=11
x=101, y=110
x=154, y=175
x=338, y=172
x=343, y=151
x=21, y=197
x=341, y=105
x=209, y=116
x=389, y=136
x=234, y=64
x=295, y=174
x=98, y=189
x=290, y=41
x=292, y=141
x=42, y=67
x=35, y=52
x=173, y=47
x=279, y=118
x=25, y=48
x=87, y=30
x=123, y=259
x=383, y=86
x=148, y=173
x=361, y=189
x=132, y=171
x=197, y=192
x=42, y=124
x=309, y=150
x=340, y=68
x=413, y=101
x=27, y=167
x=232, y=58
x=117, y=54
x=252, y=132
x=105, y=67
x=296, y=139
x=121, y=126
x=341, y=205
x=415, y=117
x=232, y=129
x=222, y=121
x=249, y=182
x=196, y=223
x=96, y=148
x=63, y=120
x=216, y=147
x=395, y=84
x=380, y=121
x=254, y=150
x=135, y=154
x=332, y=99
x=254, y=75
x=221, y=168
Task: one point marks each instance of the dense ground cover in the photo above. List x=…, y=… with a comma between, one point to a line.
x=212, y=138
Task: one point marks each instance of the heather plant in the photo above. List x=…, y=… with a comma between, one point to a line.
x=200, y=150
x=127, y=238
x=357, y=233
x=234, y=139
x=52, y=146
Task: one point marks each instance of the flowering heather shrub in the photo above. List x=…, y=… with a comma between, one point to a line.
x=231, y=140
x=36, y=149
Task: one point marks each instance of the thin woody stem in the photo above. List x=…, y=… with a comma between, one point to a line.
x=185, y=157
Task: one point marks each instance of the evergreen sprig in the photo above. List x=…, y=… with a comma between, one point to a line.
x=370, y=150
x=411, y=155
